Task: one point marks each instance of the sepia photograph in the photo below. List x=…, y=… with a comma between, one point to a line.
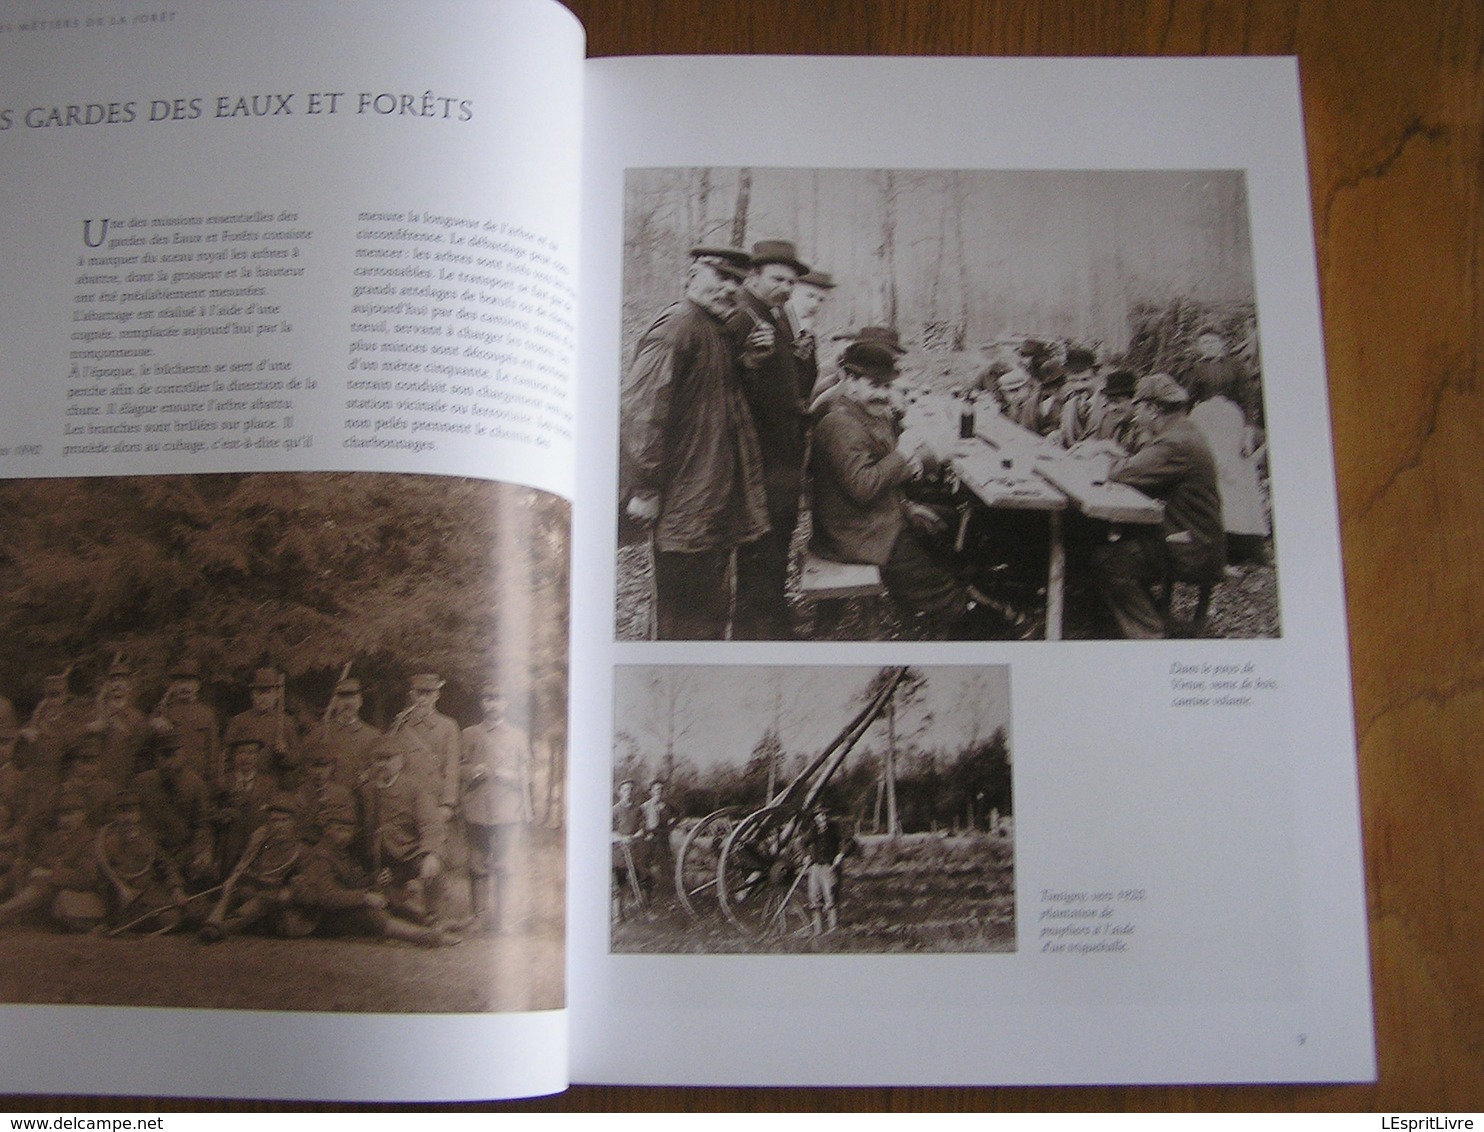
x=923, y=405
x=283, y=742
x=819, y=810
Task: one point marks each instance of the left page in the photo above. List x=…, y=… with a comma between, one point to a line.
x=286, y=471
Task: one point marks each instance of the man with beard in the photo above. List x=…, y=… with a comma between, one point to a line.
x=691, y=467
x=121, y=727
x=193, y=722
x=771, y=382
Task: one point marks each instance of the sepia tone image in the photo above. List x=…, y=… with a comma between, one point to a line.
x=283, y=742
x=812, y=810
x=941, y=405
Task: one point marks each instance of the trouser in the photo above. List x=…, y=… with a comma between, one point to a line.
x=691, y=594
x=1125, y=573
x=762, y=580
x=921, y=586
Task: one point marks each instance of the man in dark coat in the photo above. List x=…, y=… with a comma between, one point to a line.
x=193, y=721
x=269, y=722
x=861, y=511
x=778, y=397
x=691, y=468
x=1176, y=467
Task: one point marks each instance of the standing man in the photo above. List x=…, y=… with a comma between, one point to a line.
x=268, y=722
x=771, y=381
x=1176, y=467
x=659, y=826
x=691, y=468
x=345, y=735
x=121, y=727
x=433, y=757
x=800, y=312
x=496, y=766
x=182, y=711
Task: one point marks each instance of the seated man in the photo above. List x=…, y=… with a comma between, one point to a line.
x=63, y=880
x=259, y=889
x=1174, y=466
x=861, y=513
x=333, y=894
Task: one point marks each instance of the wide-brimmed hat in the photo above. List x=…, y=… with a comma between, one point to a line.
x=778, y=251
x=816, y=278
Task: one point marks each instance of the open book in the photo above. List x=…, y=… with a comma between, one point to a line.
x=518, y=569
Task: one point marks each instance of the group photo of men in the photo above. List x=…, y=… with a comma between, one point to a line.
x=268, y=751
x=818, y=362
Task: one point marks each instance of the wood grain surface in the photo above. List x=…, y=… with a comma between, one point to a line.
x=1394, y=106
x=1394, y=103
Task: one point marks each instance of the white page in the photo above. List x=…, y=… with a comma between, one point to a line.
x=1224, y=840
x=316, y=140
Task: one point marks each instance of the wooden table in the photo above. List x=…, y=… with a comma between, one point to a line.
x=1007, y=467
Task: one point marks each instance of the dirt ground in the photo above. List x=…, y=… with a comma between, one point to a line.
x=519, y=970
x=922, y=892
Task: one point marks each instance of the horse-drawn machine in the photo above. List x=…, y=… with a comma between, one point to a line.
x=746, y=866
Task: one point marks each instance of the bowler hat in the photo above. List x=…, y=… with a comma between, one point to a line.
x=1120, y=383
x=872, y=360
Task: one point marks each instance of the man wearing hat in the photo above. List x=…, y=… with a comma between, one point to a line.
x=1077, y=396
x=122, y=727
x=63, y=878
x=496, y=772
x=259, y=889
x=344, y=735
x=827, y=387
x=861, y=512
x=803, y=306
x=1176, y=467
x=177, y=810
x=182, y=712
x=1109, y=415
x=403, y=829
x=774, y=387
x=268, y=721
x=433, y=756
x=1017, y=394
x=333, y=895
x=145, y=890
x=691, y=469
x=322, y=789
x=242, y=801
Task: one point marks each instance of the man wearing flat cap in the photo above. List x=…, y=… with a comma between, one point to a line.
x=774, y=387
x=690, y=468
x=861, y=512
x=1176, y=467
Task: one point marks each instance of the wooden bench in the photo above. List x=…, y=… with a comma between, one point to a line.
x=823, y=580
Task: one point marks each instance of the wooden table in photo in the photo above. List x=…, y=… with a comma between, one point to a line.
x=1006, y=467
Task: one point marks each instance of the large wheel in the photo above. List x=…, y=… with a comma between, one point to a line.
x=699, y=860
x=761, y=878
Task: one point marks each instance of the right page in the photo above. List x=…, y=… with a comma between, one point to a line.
x=961, y=682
